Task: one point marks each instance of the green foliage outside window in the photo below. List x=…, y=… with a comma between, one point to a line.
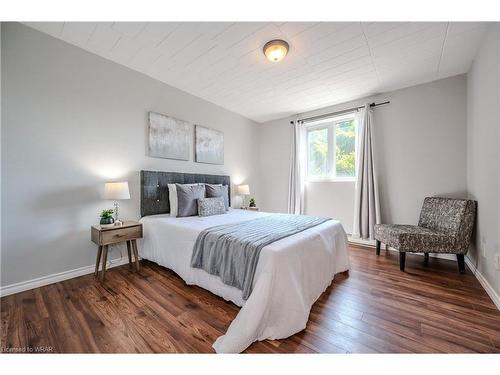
x=318, y=152
x=345, y=150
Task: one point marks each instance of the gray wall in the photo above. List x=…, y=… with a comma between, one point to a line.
x=483, y=153
x=420, y=151
x=72, y=120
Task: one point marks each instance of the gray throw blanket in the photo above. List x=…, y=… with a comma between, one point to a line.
x=232, y=251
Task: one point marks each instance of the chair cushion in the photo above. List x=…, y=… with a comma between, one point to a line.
x=414, y=239
x=453, y=217
x=442, y=214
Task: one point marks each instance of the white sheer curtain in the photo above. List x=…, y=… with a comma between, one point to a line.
x=297, y=170
x=366, y=198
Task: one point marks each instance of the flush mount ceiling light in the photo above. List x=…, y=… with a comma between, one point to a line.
x=275, y=50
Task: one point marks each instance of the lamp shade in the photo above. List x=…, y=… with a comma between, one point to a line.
x=243, y=190
x=116, y=190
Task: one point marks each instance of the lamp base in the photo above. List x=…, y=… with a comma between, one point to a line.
x=118, y=222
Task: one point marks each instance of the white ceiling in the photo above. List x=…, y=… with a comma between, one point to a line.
x=328, y=62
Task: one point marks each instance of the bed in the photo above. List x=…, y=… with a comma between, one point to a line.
x=290, y=275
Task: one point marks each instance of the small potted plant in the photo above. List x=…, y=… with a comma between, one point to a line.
x=252, y=202
x=107, y=218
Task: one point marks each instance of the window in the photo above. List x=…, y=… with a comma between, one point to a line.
x=331, y=149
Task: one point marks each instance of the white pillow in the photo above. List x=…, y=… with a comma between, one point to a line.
x=172, y=197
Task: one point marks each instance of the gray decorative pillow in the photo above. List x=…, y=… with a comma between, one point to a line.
x=187, y=199
x=214, y=191
x=211, y=206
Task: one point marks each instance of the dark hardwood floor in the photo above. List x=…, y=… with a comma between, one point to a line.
x=374, y=309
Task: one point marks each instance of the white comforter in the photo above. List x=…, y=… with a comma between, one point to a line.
x=291, y=273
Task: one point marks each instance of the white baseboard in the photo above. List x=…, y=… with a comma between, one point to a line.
x=56, y=277
x=484, y=283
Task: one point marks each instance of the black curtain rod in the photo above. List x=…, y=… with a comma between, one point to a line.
x=326, y=115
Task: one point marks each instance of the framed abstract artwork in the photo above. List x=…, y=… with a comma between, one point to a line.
x=169, y=138
x=209, y=145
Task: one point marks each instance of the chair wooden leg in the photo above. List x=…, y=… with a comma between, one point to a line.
x=378, y=247
x=426, y=258
x=402, y=258
x=461, y=263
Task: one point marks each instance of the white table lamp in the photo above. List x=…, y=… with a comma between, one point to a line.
x=116, y=191
x=243, y=190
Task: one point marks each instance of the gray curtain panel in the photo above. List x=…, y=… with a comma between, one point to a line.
x=366, y=198
x=297, y=170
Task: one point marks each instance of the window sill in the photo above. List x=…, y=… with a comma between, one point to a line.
x=327, y=179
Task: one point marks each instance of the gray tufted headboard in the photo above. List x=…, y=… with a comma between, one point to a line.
x=154, y=189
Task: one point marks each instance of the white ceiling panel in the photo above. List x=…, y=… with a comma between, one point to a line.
x=155, y=32
x=125, y=49
x=402, y=32
x=459, y=45
x=328, y=54
x=328, y=62
x=460, y=27
x=324, y=36
x=103, y=39
x=129, y=29
x=290, y=29
x=78, y=33
x=373, y=29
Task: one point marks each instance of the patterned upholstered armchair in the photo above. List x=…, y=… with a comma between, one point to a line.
x=445, y=226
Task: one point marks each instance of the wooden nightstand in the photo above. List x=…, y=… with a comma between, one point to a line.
x=129, y=232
